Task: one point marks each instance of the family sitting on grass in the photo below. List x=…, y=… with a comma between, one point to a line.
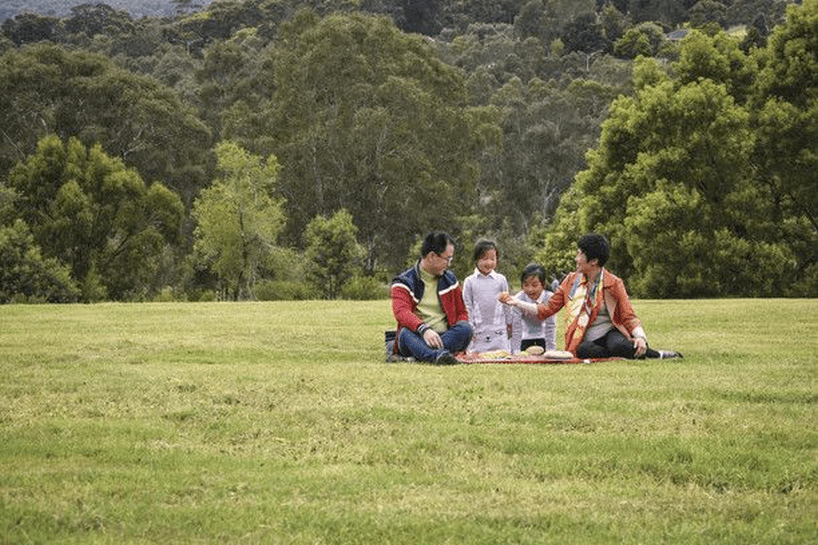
x=437, y=319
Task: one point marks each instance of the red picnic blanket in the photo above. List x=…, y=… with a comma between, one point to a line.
x=475, y=357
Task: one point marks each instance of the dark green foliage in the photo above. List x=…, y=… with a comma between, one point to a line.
x=48, y=89
x=93, y=19
x=370, y=120
x=547, y=130
x=701, y=181
x=31, y=28
x=480, y=126
x=583, y=33
x=785, y=99
x=333, y=253
x=97, y=217
x=27, y=277
x=644, y=39
x=706, y=12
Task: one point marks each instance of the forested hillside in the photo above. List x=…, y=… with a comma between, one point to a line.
x=135, y=8
x=295, y=149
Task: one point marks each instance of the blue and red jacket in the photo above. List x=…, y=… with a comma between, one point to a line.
x=407, y=291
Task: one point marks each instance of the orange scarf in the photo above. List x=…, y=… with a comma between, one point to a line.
x=582, y=309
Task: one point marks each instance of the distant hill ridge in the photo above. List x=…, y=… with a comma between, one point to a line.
x=62, y=8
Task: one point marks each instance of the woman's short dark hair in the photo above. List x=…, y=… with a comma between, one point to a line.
x=595, y=247
x=436, y=242
x=533, y=269
x=482, y=247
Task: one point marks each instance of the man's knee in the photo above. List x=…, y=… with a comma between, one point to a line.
x=404, y=338
x=464, y=327
x=458, y=337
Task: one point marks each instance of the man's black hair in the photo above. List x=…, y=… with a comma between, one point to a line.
x=482, y=247
x=436, y=242
x=595, y=247
x=533, y=269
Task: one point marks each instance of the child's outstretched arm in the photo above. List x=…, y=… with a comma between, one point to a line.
x=507, y=299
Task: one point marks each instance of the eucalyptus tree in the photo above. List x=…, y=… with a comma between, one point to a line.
x=92, y=19
x=785, y=102
x=27, y=276
x=31, y=28
x=708, y=11
x=585, y=34
x=227, y=82
x=48, y=89
x=547, y=129
x=644, y=39
x=333, y=252
x=747, y=11
x=219, y=21
x=368, y=119
x=97, y=217
x=547, y=20
x=239, y=218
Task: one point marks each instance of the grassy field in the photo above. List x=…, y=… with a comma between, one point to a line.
x=280, y=423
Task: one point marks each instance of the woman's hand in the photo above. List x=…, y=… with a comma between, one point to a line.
x=641, y=345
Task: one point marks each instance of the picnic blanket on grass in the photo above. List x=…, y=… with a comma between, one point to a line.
x=497, y=356
x=547, y=358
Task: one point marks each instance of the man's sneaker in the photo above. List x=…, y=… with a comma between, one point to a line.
x=667, y=354
x=445, y=358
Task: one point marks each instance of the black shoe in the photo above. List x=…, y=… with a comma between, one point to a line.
x=445, y=358
x=667, y=354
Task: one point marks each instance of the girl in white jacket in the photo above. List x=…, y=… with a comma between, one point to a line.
x=489, y=318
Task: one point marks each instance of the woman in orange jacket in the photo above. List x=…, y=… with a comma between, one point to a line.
x=600, y=320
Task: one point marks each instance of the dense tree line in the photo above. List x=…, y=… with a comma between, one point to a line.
x=706, y=180
x=135, y=8
x=277, y=149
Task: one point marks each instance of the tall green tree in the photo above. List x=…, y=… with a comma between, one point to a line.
x=227, y=81
x=333, y=252
x=49, y=89
x=785, y=106
x=644, y=39
x=239, y=218
x=673, y=185
x=92, y=19
x=368, y=119
x=25, y=275
x=547, y=129
x=97, y=217
x=31, y=28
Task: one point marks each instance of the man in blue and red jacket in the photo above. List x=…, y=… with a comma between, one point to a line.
x=427, y=301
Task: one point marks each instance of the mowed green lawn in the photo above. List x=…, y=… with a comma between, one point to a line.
x=280, y=423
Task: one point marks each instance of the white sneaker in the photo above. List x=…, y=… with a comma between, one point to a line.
x=667, y=354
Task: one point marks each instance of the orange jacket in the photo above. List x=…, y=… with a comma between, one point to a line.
x=616, y=299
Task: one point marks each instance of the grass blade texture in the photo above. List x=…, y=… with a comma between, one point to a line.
x=280, y=423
